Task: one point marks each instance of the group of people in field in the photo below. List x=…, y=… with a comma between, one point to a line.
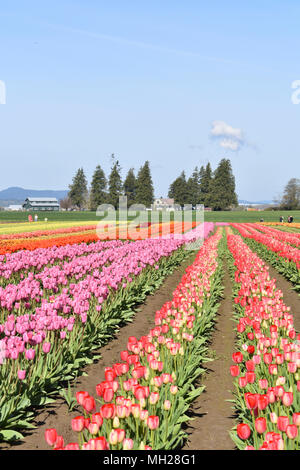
x=281, y=219
x=290, y=219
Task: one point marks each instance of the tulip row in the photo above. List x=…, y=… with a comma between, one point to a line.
x=15, y=267
x=100, y=260
x=25, y=227
x=128, y=231
x=284, y=236
x=46, y=233
x=75, y=324
x=284, y=225
x=142, y=402
x=266, y=364
x=284, y=257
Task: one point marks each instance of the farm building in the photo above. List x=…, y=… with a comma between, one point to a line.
x=163, y=204
x=41, y=204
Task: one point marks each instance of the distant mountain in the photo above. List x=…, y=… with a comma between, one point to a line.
x=255, y=203
x=17, y=195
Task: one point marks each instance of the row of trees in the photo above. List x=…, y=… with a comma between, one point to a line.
x=290, y=199
x=215, y=189
x=138, y=189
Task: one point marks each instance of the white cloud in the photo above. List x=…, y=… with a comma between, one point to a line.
x=229, y=137
x=230, y=144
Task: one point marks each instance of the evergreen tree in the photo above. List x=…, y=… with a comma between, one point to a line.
x=205, y=184
x=114, y=183
x=179, y=191
x=222, y=194
x=98, y=193
x=144, y=186
x=193, y=188
x=201, y=186
x=129, y=187
x=291, y=195
x=78, y=189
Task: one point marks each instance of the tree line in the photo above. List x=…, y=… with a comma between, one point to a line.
x=214, y=189
x=107, y=190
x=290, y=200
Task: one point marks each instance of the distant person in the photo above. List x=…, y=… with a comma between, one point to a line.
x=30, y=218
x=46, y=220
x=281, y=219
x=291, y=219
x=36, y=218
x=261, y=220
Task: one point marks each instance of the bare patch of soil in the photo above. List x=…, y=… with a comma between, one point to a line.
x=213, y=415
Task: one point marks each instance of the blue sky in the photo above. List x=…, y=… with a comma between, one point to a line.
x=176, y=83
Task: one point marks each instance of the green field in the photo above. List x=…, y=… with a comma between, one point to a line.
x=222, y=216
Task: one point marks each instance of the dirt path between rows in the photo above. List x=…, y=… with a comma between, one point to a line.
x=290, y=297
x=57, y=414
x=213, y=414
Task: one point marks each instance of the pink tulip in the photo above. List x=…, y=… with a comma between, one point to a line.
x=21, y=374
x=291, y=431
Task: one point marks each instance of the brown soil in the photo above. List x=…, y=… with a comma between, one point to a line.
x=57, y=415
x=290, y=297
x=213, y=415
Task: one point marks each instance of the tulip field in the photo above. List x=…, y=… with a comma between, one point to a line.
x=68, y=290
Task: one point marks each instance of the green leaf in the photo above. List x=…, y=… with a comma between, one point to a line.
x=11, y=435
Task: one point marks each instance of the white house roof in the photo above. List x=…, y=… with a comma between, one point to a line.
x=42, y=199
x=43, y=204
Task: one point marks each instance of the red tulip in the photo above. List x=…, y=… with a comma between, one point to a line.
x=108, y=411
x=268, y=358
x=72, y=446
x=108, y=394
x=89, y=404
x=128, y=444
x=260, y=425
x=296, y=419
x=153, y=422
x=251, y=400
x=282, y=423
x=287, y=398
x=250, y=376
x=243, y=431
x=97, y=418
x=93, y=428
x=109, y=374
x=78, y=423
x=237, y=357
x=51, y=436
x=273, y=370
x=263, y=383
x=291, y=431
x=124, y=355
x=235, y=371
x=292, y=367
x=80, y=396
x=250, y=366
x=59, y=443
x=242, y=382
x=262, y=402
